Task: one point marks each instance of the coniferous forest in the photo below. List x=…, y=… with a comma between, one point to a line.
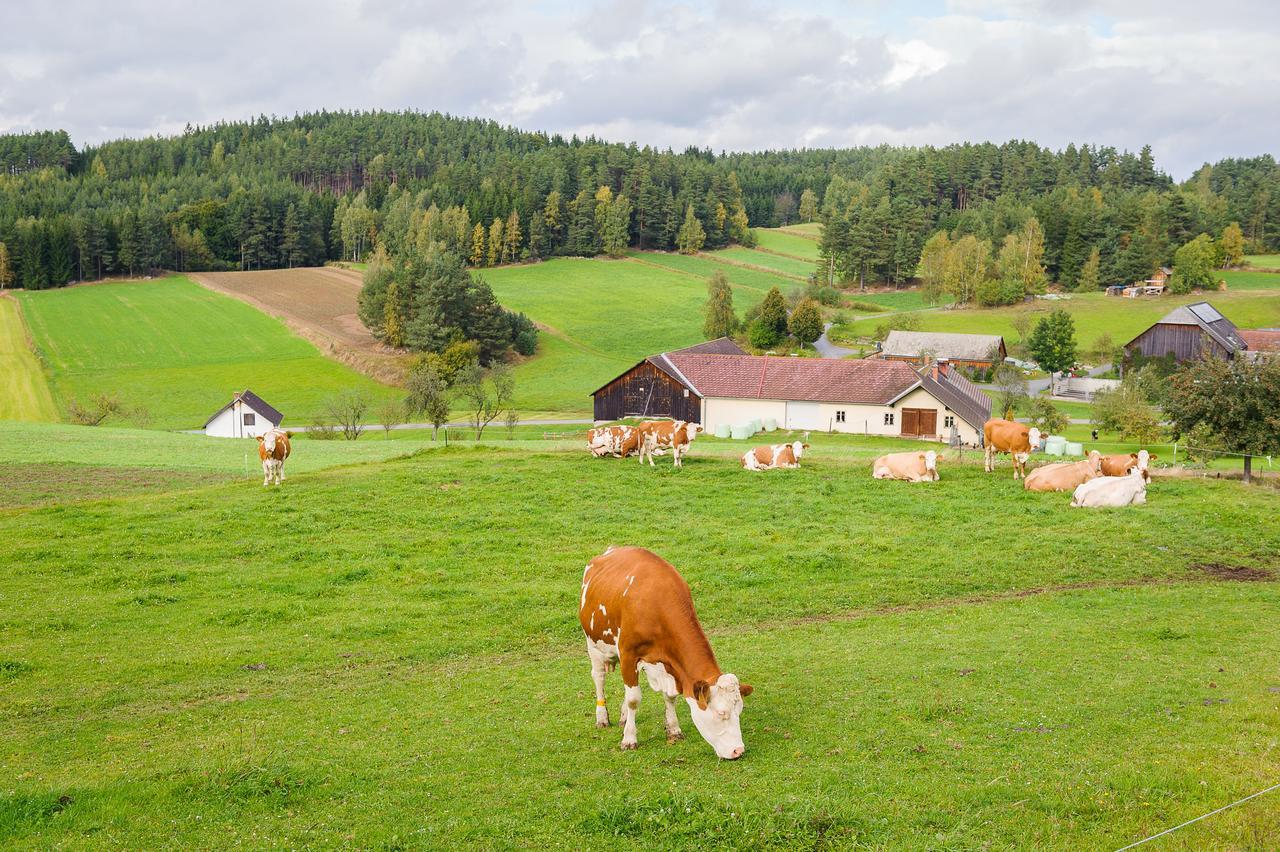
x=276, y=192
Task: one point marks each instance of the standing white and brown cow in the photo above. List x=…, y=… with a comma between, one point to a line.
x=658, y=436
x=273, y=448
x=638, y=615
x=913, y=467
x=616, y=441
x=1006, y=436
x=784, y=456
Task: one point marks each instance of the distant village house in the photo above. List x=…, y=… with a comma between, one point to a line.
x=977, y=351
x=247, y=415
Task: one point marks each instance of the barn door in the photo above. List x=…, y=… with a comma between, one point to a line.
x=928, y=422
x=911, y=421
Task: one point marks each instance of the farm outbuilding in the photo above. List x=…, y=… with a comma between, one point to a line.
x=1187, y=333
x=715, y=387
x=247, y=415
x=979, y=351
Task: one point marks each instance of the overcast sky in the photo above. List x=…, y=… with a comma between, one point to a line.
x=1197, y=80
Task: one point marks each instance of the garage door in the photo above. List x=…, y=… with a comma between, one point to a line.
x=919, y=422
x=805, y=415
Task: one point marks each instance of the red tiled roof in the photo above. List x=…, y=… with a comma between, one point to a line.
x=1260, y=341
x=857, y=382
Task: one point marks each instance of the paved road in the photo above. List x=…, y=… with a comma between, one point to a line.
x=827, y=349
x=1038, y=386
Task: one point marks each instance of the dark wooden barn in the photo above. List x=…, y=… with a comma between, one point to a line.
x=1187, y=333
x=654, y=388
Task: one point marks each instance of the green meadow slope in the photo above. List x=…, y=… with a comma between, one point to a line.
x=387, y=655
x=24, y=392
x=180, y=351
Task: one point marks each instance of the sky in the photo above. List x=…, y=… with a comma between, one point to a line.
x=1197, y=81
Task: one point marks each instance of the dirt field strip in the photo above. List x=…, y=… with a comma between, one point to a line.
x=24, y=391
x=319, y=305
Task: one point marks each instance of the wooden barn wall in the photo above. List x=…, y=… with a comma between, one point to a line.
x=1184, y=341
x=646, y=391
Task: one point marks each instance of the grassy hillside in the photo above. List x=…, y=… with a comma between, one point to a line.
x=1247, y=281
x=179, y=350
x=363, y=656
x=1094, y=315
x=602, y=316
x=791, y=244
x=786, y=265
x=24, y=393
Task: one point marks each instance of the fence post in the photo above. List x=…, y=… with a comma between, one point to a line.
x=1175, y=452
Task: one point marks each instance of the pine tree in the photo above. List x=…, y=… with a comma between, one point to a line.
x=553, y=222
x=771, y=323
x=1088, y=280
x=129, y=241
x=805, y=322
x=477, y=255
x=691, y=236
x=6, y=273
x=582, y=239
x=291, y=238
x=393, y=327
x=720, y=320
x=617, y=227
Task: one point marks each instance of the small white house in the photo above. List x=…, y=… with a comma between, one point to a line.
x=245, y=416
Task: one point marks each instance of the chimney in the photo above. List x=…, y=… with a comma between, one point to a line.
x=940, y=367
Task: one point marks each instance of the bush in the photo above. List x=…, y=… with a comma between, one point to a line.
x=995, y=292
x=823, y=294
x=762, y=335
x=865, y=307
x=1045, y=415
x=1126, y=411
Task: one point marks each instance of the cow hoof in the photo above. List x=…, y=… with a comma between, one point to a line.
x=672, y=739
x=630, y=746
x=603, y=724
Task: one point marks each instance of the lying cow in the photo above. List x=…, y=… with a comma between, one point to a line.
x=636, y=611
x=913, y=467
x=1064, y=476
x=273, y=448
x=616, y=441
x=776, y=456
x=1121, y=463
x=1112, y=491
x=657, y=436
x=1006, y=436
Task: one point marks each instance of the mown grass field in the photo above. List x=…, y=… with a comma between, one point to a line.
x=180, y=351
x=1095, y=315
x=1265, y=261
x=793, y=267
x=24, y=391
x=603, y=316
x=387, y=655
x=790, y=244
x=1245, y=280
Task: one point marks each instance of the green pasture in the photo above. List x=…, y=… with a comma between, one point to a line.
x=704, y=266
x=386, y=655
x=794, y=267
x=807, y=229
x=790, y=244
x=1265, y=261
x=24, y=392
x=1095, y=315
x=1246, y=280
x=179, y=351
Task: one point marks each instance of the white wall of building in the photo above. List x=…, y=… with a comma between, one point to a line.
x=230, y=423
x=835, y=417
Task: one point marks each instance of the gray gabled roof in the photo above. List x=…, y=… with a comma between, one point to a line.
x=959, y=394
x=953, y=346
x=251, y=399
x=1211, y=321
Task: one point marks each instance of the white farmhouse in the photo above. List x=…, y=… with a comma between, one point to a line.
x=245, y=416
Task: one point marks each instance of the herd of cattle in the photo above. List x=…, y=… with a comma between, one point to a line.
x=1096, y=481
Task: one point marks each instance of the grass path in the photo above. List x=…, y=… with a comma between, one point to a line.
x=24, y=391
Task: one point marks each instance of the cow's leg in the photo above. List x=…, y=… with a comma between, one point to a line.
x=280, y=471
x=599, y=666
x=988, y=464
x=676, y=451
x=266, y=471
x=673, y=722
x=630, y=701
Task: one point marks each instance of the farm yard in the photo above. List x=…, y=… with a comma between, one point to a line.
x=178, y=350
x=324, y=679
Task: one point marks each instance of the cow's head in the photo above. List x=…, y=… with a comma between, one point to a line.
x=930, y=463
x=1144, y=459
x=268, y=441
x=716, y=709
x=1095, y=462
x=692, y=430
x=1033, y=438
x=798, y=448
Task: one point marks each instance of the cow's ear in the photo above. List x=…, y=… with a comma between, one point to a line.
x=746, y=689
x=702, y=694
x=259, y=439
x=1152, y=457
x=1133, y=456
x=921, y=456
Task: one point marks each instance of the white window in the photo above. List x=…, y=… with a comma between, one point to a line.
x=948, y=421
x=888, y=418
x=839, y=416
x=249, y=419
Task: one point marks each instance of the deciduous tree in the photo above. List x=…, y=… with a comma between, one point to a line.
x=1053, y=342
x=1237, y=400
x=691, y=236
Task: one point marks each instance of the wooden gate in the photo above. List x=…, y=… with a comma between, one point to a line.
x=919, y=422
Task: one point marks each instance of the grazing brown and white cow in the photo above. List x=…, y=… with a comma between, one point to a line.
x=616, y=441
x=1064, y=476
x=1006, y=436
x=913, y=467
x=776, y=456
x=638, y=615
x=273, y=448
x=657, y=436
x=1121, y=463
x=1112, y=491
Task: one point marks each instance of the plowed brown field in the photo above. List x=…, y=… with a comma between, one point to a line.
x=319, y=304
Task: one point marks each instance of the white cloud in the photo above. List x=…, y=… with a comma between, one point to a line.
x=1195, y=81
